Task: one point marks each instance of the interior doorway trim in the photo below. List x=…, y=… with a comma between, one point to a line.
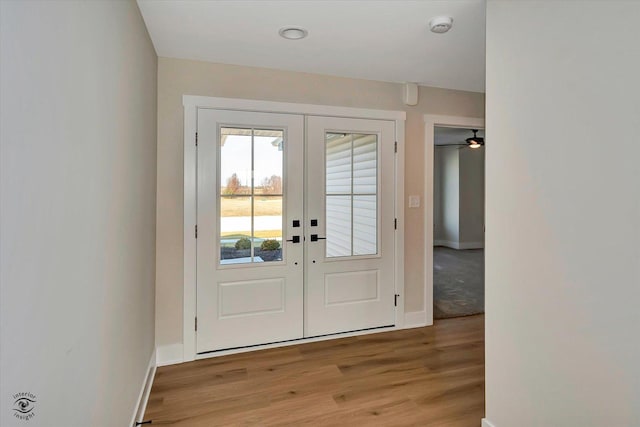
x=191, y=104
x=430, y=123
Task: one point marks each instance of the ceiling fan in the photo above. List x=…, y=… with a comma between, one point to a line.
x=472, y=142
x=475, y=141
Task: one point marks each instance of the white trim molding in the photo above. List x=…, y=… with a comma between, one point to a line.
x=190, y=101
x=189, y=238
x=471, y=245
x=459, y=245
x=487, y=423
x=399, y=235
x=145, y=391
x=430, y=122
x=170, y=354
x=186, y=351
x=415, y=319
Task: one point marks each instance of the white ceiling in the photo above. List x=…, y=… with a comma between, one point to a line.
x=377, y=40
x=453, y=136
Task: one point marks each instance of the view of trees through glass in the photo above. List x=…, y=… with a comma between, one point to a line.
x=251, y=190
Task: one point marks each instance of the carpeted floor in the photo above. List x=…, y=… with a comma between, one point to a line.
x=458, y=282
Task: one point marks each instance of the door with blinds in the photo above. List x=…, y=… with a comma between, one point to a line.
x=349, y=256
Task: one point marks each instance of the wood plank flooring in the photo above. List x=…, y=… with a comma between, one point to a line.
x=431, y=376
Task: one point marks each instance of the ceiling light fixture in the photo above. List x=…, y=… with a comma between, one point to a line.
x=475, y=141
x=440, y=24
x=293, y=33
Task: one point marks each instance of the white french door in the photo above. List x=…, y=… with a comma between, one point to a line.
x=250, y=206
x=350, y=210
x=279, y=260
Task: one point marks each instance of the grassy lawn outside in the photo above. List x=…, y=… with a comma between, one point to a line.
x=241, y=206
x=260, y=234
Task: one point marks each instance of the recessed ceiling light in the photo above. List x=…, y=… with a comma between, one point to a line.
x=441, y=24
x=293, y=33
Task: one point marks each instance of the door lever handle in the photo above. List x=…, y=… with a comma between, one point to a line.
x=315, y=238
x=294, y=239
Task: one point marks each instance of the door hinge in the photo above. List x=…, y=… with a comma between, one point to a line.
x=196, y=231
x=196, y=324
x=395, y=147
x=395, y=223
x=395, y=300
x=196, y=139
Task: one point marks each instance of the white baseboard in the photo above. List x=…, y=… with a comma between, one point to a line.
x=487, y=423
x=415, y=319
x=471, y=245
x=145, y=390
x=170, y=354
x=459, y=245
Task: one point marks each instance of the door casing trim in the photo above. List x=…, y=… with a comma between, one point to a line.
x=191, y=104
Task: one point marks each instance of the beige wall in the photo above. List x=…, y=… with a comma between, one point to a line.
x=563, y=211
x=448, y=170
x=182, y=77
x=471, y=197
x=458, y=197
x=78, y=181
x=438, y=214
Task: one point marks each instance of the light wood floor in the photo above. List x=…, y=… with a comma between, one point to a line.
x=430, y=376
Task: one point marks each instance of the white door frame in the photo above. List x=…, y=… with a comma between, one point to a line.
x=430, y=122
x=191, y=104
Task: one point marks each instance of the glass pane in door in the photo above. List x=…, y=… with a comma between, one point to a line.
x=365, y=225
x=338, y=219
x=251, y=195
x=351, y=206
x=267, y=225
x=235, y=230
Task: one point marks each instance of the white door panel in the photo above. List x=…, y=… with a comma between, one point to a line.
x=351, y=287
x=250, y=185
x=350, y=188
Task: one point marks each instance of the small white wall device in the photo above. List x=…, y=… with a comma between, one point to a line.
x=410, y=94
x=441, y=24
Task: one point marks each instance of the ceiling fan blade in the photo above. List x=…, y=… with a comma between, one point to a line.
x=448, y=145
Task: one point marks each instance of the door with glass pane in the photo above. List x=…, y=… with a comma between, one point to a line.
x=249, y=235
x=350, y=218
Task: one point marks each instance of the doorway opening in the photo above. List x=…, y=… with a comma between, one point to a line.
x=458, y=222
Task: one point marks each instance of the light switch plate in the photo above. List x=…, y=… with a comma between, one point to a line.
x=414, y=201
